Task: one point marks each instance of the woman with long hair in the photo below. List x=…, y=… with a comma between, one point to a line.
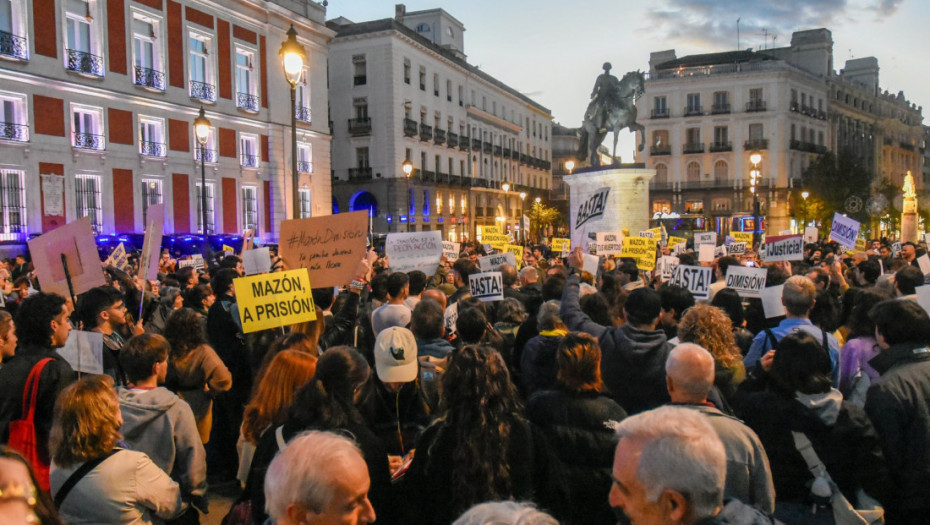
x=731, y=303
x=195, y=372
x=855, y=372
x=19, y=487
x=122, y=486
x=709, y=327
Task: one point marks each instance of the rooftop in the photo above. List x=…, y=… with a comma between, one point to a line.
x=713, y=59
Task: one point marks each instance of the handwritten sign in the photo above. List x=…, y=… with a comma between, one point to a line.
x=273, y=300
x=860, y=244
x=490, y=263
x=696, y=279
x=195, y=261
x=666, y=265
x=329, y=247
x=745, y=237
x=592, y=208
x=451, y=250
x=609, y=243
x=705, y=238
x=845, y=230
x=784, y=248
x=490, y=230
x=256, y=261
x=119, y=259
x=151, y=245
x=736, y=248
x=811, y=234
x=642, y=249
x=414, y=251
x=75, y=241
x=84, y=351
x=561, y=245
x=748, y=282
x=486, y=286
x=517, y=252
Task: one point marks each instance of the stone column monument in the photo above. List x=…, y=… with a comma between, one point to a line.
x=608, y=200
x=909, y=211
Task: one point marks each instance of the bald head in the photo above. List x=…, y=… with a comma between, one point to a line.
x=689, y=373
x=529, y=275
x=436, y=295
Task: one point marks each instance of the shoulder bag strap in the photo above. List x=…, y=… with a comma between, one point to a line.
x=78, y=475
x=279, y=437
x=769, y=335
x=826, y=344
x=804, y=446
x=31, y=392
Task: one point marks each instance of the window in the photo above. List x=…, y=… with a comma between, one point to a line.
x=88, y=200
x=210, y=219
x=693, y=136
x=406, y=71
x=659, y=107
x=694, y=104
x=423, y=28
x=13, y=124
x=695, y=206
x=209, y=148
x=661, y=207
x=660, y=139
x=721, y=171
x=12, y=203
x=303, y=98
x=304, y=203
x=13, y=42
x=359, y=68
x=721, y=135
x=755, y=132
x=248, y=151
x=361, y=158
x=304, y=157
x=81, y=41
x=448, y=90
x=246, y=94
x=87, y=128
x=250, y=208
x=461, y=95
x=422, y=78
x=694, y=172
x=151, y=195
x=151, y=136
x=146, y=54
x=435, y=84
x=661, y=173
x=200, y=66
x=755, y=100
x=721, y=102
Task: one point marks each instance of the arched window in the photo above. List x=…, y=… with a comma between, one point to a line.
x=661, y=174
x=364, y=200
x=720, y=171
x=694, y=172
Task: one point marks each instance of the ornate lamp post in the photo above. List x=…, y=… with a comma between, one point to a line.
x=202, y=131
x=570, y=165
x=522, y=212
x=804, y=195
x=755, y=175
x=407, y=167
x=292, y=59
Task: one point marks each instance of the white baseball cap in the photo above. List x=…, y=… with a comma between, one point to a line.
x=396, y=355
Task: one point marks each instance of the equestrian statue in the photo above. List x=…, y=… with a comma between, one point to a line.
x=612, y=108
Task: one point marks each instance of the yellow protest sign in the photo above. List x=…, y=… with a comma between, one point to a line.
x=498, y=241
x=656, y=233
x=489, y=230
x=227, y=248
x=675, y=241
x=274, y=300
x=745, y=237
x=516, y=250
x=860, y=244
x=561, y=245
x=643, y=249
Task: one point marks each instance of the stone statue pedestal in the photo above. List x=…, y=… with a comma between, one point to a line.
x=909, y=227
x=608, y=200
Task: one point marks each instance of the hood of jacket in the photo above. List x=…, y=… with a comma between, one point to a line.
x=825, y=406
x=141, y=407
x=639, y=341
x=439, y=348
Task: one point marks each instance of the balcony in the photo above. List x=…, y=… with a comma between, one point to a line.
x=426, y=132
x=84, y=63
x=203, y=91
x=752, y=144
x=719, y=109
x=304, y=166
x=440, y=136
x=455, y=180
x=359, y=127
x=507, y=153
x=660, y=113
x=907, y=146
x=208, y=154
x=12, y=46
x=755, y=105
x=463, y=144
x=663, y=149
x=90, y=141
x=498, y=150
x=808, y=147
x=359, y=80
x=453, y=141
x=247, y=101
x=524, y=158
x=410, y=127
x=359, y=173
x=151, y=149
x=148, y=78
x=716, y=147
x=693, y=147
x=428, y=176
x=247, y=160
x=693, y=110
x=302, y=113
x=14, y=132
x=486, y=148
x=476, y=144
x=442, y=178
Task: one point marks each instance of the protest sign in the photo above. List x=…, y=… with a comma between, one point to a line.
x=119, y=259
x=666, y=266
x=84, y=351
x=923, y=297
x=451, y=250
x=656, y=232
x=895, y=249
x=496, y=240
x=195, y=261
x=273, y=300
x=450, y=317
x=609, y=243
x=517, y=252
x=720, y=251
x=705, y=238
x=784, y=248
x=409, y=251
x=771, y=301
x=256, y=261
x=642, y=249
x=75, y=241
x=561, y=245
x=228, y=249
x=490, y=230
x=591, y=263
x=924, y=263
x=736, y=248
x=811, y=234
x=675, y=241
x=706, y=252
x=845, y=230
x=860, y=244
x=679, y=248
x=330, y=247
x=748, y=282
x=745, y=237
x=649, y=234
x=151, y=245
x=486, y=286
x=697, y=279
x=927, y=238
x=490, y=263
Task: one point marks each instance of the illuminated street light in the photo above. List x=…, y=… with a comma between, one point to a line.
x=292, y=59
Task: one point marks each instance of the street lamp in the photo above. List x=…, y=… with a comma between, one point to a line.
x=804, y=195
x=407, y=168
x=755, y=178
x=202, y=131
x=292, y=59
x=522, y=212
x=570, y=165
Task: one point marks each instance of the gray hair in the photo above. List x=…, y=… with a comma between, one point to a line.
x=680, y=452
x=529, y=274
x=304, y=472
x=505, y=513
x=691, y=369
x=798, y=295
x=548, y=316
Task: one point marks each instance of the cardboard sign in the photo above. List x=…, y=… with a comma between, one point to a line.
x=706, y=252
x=748, y=282
x=924, y=262
x=745, y=237
x=927, y=238
x=451, y=250
x=330, y=247
x=151, y=246
x=860, y=244
x=675, y=241
x=490, y=263
x=784, y=248
x=273, y=300
x=648, y=234
x=923, y=297
x=450, y=317
x=609, y=243
x=490, y=230
x=495, y=240
x=228, y=249
x=414, y=251
x=256, y=261
x=84, y=351
x=736, y=248
x=486, y=286
x=705, y=238
x=895, y=249
x=591, y=263
x=811, y=234
x=845, y=230
x=561, y=245
x=720, y=251
x=679, y=248
x=119, y=259
x=592, y=208
x=666, y=266
x=642, y=249
x=696, y=279
x=75, y=241
x=517, y=252
x=195, y=261
x=771, y=301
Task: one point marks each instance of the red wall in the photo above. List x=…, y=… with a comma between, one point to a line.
x=227, y=142
x=121, y=130
x=179, y=135
x=267, y=207
x=230, y=210
x=49, y=115
x=116, y=35
x=43, y=22
x=175, y=46
x=224, y=78
x=123, y=200
x=180, y=184
x=263, y=63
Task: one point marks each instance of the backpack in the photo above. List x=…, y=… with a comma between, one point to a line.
x=23, y=431
x=769, y=335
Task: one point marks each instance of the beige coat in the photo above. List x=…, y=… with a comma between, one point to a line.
x=201, y=375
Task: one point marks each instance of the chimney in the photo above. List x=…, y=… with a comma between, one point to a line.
x=400, y=10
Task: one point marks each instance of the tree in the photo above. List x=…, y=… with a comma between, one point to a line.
x=842, y=183
x=541, y=216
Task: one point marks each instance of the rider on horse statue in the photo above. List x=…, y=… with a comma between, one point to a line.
x=612, y=108
x=605, y=98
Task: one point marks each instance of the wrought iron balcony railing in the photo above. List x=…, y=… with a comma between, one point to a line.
x=693, y=147
x=15, y=132
x=89, y=141
x=694, y=110
x=247, y=101
x=453, y=140
x=439, y=136
x=752, y=144
x=85, y=63
x=719, y=109
x=411, y=128
x=755, y=105
x=13, y=46
x=208, y=154
x=148, y=78
x=660, y=113
x=248, y=161
x=302, y=113
x=203, y=91
x=426, y=132
x=304, y=166
x=721, y=146
x=151, y=149
x=359, y=127
x=359, y=173
x=664, y=149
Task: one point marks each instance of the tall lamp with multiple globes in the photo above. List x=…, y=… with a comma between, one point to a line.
x=202, y=131
x=755, y=175
x=292, y=58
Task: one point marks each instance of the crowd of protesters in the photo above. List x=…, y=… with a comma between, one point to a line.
x=579, y=398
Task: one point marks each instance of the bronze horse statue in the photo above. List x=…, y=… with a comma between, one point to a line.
x=612, y=108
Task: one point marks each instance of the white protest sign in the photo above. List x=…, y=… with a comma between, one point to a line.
x=705, y=238
x=697, y=279
x=591, y=263
x=666, y=266
x=720, y=251
x=784, y=248
x=256, y=261
x=119, y=259
x=490, y=263
x=811, y=234
x=609, y=243
x=706, y=252
x=923, y=297
x=194, y=261
x=451, y=250
x=785, y=232
x=414, y=251
x=75, y=243
x=924, y=262
x=771, y=301
x=84, y=351
x=680, y=248
x=450, y=317
x=748, y=282
x=895, y=249
x=486, y=286
x=845, y=230
x=927, y=238
x=736, y=248
x=151, y=246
